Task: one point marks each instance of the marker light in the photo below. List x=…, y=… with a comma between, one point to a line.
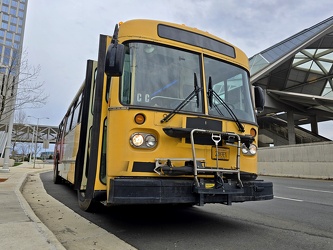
x=253, y=132
x=139, y=119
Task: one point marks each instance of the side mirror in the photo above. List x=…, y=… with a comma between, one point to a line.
x=259, y=98
x=114, y=60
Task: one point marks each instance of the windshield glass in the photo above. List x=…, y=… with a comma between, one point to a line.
x=231, y=84
x=162, y=77
x=159, y=77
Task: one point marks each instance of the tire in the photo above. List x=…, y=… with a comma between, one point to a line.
x=88, y=205
x=56, y=177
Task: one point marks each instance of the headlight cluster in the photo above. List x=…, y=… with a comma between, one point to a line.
x=143, y=140
x=251, y=150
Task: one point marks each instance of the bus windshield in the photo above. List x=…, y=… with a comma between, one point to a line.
x=231, y=85
x=159, y=77
x=162, y=77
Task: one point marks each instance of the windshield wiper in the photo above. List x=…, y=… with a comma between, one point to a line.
x=194, y=93
x=211, y=93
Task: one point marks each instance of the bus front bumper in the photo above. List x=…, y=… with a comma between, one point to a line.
x=183, y=191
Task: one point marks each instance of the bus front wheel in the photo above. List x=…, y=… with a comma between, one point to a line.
x=87, y=205
x=56, y=177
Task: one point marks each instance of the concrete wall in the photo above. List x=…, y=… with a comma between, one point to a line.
x=11, y=162
x=312, y=160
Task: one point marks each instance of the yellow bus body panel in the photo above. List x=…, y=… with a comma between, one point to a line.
x=142, y=29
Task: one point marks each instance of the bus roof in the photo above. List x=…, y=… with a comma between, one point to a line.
x=190, y=38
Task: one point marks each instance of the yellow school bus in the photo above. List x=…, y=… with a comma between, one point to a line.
x=165, y=115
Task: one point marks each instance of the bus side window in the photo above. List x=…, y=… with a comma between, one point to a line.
x=126, y=81
x=68, y=121
x=76, y=114
x=88, y=153
x=60, y=139
x=93, y=92
x=103, y=154
x=79, y=119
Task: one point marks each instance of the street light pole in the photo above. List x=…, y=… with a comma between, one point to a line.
x=36, y=141
x=32, y=143
x=35, y=154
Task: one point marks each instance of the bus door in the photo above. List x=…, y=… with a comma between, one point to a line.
x=83, y=154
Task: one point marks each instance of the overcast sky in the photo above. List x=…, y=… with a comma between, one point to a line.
x=61, y=35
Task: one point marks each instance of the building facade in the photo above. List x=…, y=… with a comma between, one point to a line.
x=13, y=15
x=12, y=24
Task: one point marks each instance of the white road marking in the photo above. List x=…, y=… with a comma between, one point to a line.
x=313, y=190
x=289, y=199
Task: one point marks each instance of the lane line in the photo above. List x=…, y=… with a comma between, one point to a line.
x=289, y=199
x=313, y=190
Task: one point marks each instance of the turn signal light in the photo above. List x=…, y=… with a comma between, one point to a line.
x=139, y=118
x=253, y=132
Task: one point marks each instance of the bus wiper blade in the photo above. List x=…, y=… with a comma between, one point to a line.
x=210, y=97
x=211, y=93
x=194, y=93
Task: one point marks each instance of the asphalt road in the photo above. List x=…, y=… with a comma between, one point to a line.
x=300, y=217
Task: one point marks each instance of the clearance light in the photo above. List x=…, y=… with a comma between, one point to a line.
x=143, y=140
x=139, y=118
x=253, y=132
x=251, y=150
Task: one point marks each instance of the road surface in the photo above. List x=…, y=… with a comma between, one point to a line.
x=299, y=217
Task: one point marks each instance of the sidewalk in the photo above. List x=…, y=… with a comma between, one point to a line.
x=20, y=228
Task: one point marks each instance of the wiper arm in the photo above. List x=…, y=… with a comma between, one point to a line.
x=211, y=93
x=194, y=93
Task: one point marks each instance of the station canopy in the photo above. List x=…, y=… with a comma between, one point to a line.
x=297, y=75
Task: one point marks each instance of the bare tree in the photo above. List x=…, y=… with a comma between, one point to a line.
x=19, y=85
x=20, y=131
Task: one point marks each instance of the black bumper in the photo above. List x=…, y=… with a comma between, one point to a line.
x=183, y=191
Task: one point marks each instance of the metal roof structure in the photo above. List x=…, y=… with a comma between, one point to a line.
x=297, y=75
x=29, y=133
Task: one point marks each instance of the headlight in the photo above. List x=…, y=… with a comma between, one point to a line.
x=137, y=140
x=245, y=150
x=150, y=141
x=251, y=150
x=143, y=140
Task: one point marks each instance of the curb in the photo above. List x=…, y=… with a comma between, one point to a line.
x=42, y=229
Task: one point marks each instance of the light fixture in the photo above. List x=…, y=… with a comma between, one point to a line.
x=143, y=140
